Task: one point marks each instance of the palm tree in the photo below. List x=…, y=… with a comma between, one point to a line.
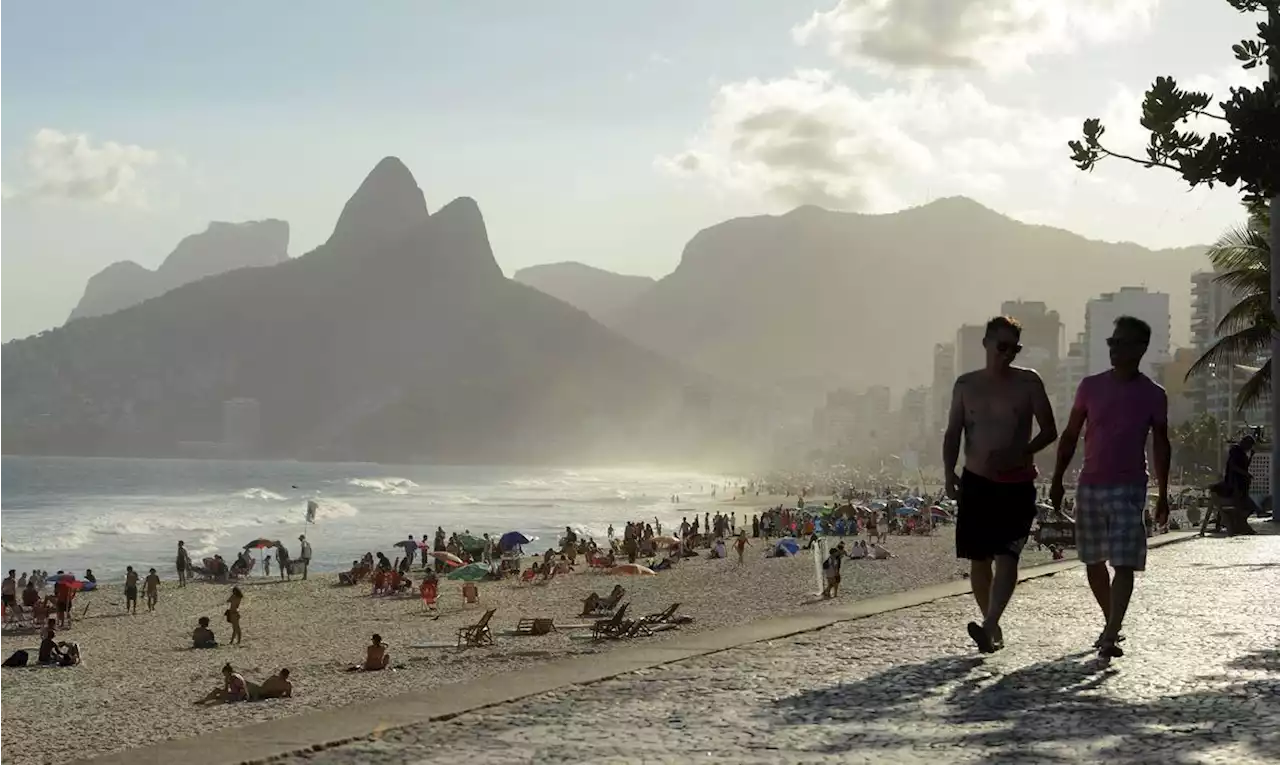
x=1242, y=258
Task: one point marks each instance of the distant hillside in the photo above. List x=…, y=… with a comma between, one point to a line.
x=598, y=292
x=815, y=299
x=399, y=339
x=220, y=248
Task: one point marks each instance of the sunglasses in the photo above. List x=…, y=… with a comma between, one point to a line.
x=1120, y=342
x=1007, y=347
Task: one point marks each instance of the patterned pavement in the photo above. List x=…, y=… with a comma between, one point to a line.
x=1200, y=684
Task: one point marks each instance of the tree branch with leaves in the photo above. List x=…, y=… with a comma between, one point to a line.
x=1245, y=156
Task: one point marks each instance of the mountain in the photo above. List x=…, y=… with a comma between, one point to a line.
x=398, y=339
x=813, y=300
x=598, y=292
x=221, y=247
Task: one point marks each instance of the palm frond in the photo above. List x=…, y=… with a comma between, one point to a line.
x=1245, y=345
x=1242, y=247
x=1250, y=311
x=1256, y=389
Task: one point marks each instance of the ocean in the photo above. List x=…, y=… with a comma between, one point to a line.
x=105, y=514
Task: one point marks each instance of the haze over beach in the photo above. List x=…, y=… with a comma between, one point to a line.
x=545, y=298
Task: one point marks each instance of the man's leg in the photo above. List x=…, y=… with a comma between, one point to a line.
x=1003, y=583
x=1100, y=584
x=980, y=577
x=1121, y=593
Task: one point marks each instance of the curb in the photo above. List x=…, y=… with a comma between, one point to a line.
x=325, y=729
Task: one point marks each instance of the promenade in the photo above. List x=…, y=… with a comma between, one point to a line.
x=1200, y=683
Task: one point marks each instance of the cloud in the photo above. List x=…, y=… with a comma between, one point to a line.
x=809, y=139
x=991, y=35
x=801, y=140
x=69, y=166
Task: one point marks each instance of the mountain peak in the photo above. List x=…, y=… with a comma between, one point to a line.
x=387, y=205
x=460, y=241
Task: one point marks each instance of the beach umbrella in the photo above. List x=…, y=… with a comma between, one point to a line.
x=632, y=569
x=787, y=547
x=665, y=539
x=447, y=557
x=906, y=510
x=261, y=544
x=471, y=544
x=511, y=540
x=939, y=512
x=472, y=572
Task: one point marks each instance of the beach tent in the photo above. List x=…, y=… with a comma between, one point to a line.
x=785, y=548
x=472, y=572
x=512, y=540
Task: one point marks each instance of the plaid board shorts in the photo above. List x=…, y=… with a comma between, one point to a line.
x=1110, y=527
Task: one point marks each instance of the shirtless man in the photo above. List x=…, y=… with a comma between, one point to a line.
x=131, y=590
x=275, y=687
x=376, y=657
x=152, y=586
x=993, y=409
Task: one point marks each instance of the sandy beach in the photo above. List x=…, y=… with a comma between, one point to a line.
x=139, y=677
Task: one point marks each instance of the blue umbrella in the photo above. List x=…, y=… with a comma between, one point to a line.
x=786, y=547
x=511, y=540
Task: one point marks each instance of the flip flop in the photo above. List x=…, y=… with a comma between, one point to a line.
x=980, y=636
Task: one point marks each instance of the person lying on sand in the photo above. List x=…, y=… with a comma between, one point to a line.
x=202, y=636
x=233, y=688
x=376, y=657
x=275, y=687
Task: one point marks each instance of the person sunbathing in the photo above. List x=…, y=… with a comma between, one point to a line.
x=376, y=657
x=202, y=636
x=275, y=687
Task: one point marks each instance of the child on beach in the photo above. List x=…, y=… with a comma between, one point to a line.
x=152, y=584
x=131, y=590
x=266, y=566
x=740, y=544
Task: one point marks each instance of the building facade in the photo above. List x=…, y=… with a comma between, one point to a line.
x=944, y=377
x=1100, y=316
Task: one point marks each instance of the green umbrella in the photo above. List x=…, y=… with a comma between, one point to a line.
x=472, y=572
x=473, y=545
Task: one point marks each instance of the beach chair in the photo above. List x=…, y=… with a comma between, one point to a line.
x=610, y=627
x=662, y=617
x=535, y=626
x=603, y=606
x=477, y=634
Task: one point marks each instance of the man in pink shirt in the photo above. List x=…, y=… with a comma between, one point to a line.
x=1121, y=406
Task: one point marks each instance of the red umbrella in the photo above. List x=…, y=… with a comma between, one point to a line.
x=449, y=558
x=261, y=544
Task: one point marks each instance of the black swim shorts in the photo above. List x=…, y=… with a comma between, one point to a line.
x=993, y=518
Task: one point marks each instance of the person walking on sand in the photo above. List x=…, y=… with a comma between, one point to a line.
x=233, y=615
x=1121, y=406
x=130, y=590
x=183, y=563
x=152, y=585
x=993, y=409
x=741, y=544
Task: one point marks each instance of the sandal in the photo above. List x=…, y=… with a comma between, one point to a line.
x=980, y=636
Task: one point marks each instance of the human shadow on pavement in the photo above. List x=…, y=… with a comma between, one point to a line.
x=1058, y=710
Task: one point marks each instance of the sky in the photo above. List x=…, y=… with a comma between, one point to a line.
x=607, y=133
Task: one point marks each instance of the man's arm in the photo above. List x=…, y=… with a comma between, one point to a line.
x=955, y=428
x=1160, y=448
x=1043, y=412
x=1067, y=444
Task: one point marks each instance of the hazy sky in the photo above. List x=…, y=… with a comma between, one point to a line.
x=606, y=132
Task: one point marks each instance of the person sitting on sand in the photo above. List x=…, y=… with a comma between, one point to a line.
x=202, y=636
x=233, y=688
x=858, y=550
x=376, y=657
x=718, y=550
x=880, y=553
